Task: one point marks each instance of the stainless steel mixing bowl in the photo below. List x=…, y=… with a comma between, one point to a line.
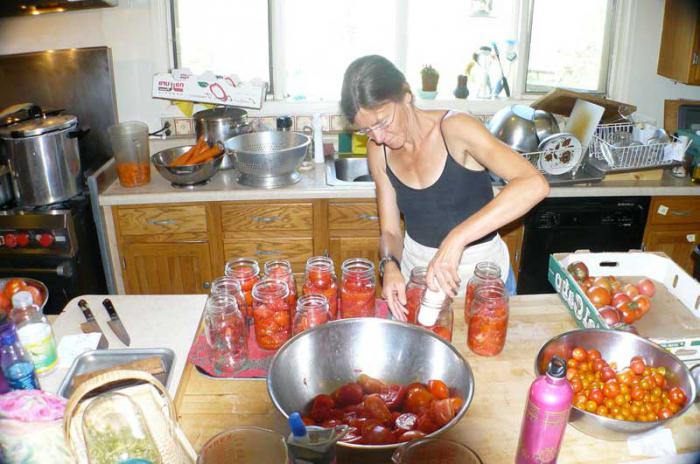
x=322, y=359
x=515, y=126
x=268, y=159
x=619, y=347
x=545, y=124
x=185, y=176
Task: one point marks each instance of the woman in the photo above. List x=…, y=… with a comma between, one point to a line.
x=432, y=167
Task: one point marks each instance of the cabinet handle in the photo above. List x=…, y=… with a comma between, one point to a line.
x=206, y=285
x=680, y=213
x=265, y=219
x=162, y=222
x=267, y=252
x=695, y=58
x=368, y=217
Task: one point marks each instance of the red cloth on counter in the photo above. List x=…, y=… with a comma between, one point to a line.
x=258, y=359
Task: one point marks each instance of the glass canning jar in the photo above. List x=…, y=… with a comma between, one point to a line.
x=320, y=279
x=226, y=331
x=246, y=271
x=271, y=313
x=311, y=310
x=357, y=288
x=414, y=292
x=488, y=320
x=484, y=272
x=226, y=285
x=281, y=269
x=435, y=313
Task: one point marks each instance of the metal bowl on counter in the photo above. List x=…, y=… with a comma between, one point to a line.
x=545, y=124
x=268, y=159
x=322, y=359
x=618, y=347
x=185, y=176
x=515, y=126
x=43, y=290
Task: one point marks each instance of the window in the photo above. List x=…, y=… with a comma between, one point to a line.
x=304, y=46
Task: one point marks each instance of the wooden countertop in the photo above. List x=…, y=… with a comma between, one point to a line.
x=491, y=426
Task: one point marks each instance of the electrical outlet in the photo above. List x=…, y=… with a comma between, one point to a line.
x=184, y=127
x=171, y=122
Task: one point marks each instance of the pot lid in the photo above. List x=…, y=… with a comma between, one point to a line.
x=222, y=112
x=39, y=126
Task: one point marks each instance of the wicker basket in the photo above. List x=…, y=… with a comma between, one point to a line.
x=155, y=403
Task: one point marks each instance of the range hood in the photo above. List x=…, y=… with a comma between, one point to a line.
x=37, y=7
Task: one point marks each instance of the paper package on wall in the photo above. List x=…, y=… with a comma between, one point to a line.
x=181, y=84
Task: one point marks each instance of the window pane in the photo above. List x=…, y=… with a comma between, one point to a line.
x=446, y=33
x=223, y=36
x=568, y=45
x=319, y=38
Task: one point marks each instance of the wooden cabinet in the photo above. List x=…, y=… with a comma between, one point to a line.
x=512, y=235
x=679, y=54
x=673, y=227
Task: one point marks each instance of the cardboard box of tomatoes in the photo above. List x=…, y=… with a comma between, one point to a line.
x=672, y=318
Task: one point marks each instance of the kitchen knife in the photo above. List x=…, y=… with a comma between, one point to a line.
x=115, y=323
x=91, y=325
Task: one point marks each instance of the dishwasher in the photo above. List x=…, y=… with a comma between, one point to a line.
x=568, y=224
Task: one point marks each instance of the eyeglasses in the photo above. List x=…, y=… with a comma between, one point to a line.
x=380, y=125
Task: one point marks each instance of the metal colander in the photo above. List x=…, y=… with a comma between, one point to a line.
x=268, y=159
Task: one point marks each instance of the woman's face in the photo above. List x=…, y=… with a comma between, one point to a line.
x=382, y=124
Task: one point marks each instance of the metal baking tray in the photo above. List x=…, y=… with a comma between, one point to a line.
x=103, y=359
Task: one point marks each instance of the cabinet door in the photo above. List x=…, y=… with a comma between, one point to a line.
x=676, y=242
x=166, y=268
x=512, y=234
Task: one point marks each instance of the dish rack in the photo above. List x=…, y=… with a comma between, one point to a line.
x=613, y=158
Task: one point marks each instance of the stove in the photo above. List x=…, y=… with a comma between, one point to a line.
x=56, y=244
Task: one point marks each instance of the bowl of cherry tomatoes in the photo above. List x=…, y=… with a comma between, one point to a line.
x=387, y=381
x=623, y=384
x=8, y=287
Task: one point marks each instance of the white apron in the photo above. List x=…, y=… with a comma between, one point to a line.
x=495, y=250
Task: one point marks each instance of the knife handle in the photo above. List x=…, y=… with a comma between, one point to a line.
x=107, y=303
x=86, y=310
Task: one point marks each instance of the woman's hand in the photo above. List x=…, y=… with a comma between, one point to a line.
x=443, y=266
x=394, y=291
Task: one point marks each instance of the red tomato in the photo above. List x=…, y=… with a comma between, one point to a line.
x=615, y=285
x=406, y=421
x=13, y=286
x=411, y=435
x=596, y=395
x=438, y=389
x=630, y=290
x=425, y=424
x=607, y=373
x=579, y=354
x=457, y=403
x=620, y=297
x=593, y=354
x=579, y=270
x=377, y=408
x=417, y=400
x=610, y=315
x=393, y=396
x=378, y=435
x=646, y=287
x=320, y=407
x=637, y=365
x=664, y=413
x=599, y=296
x=604, y=282
x=642, y=303
x=348, y=394
x=677, y=396
x=370, y=385
x=5, y=303
x=441, y=412
x=611, y=388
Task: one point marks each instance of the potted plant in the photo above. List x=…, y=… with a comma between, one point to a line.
x=429, y=77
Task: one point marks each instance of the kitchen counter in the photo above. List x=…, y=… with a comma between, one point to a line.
x=491, y=426
x=223, y=187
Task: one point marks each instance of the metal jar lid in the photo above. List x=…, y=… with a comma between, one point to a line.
x=223, y=112
x=39, y=126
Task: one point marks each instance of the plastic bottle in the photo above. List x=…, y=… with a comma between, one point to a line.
x=34, y=332
x=312, y=444
x=5, y=324
x=16, y=364
x=317, y=125
x=435, y=313
x=545, y=417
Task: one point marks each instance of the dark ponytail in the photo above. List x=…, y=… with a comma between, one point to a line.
x=369, y=82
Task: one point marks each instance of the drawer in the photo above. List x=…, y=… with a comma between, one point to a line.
x=674, y=210
x=353, y=216
x=295, y=250
x=161, y=219
x=262, y=217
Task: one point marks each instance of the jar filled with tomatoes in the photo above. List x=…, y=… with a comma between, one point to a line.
x=320, y=279
x=281, y=269
x=226, y=331
x=357, y=289
x=226, y=285
x=311, y=310
x=271, y=313
x=246, y=272
x=415, y=288
x=488, y=320
x=484, y=272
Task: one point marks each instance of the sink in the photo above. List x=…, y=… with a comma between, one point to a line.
x=348, y=171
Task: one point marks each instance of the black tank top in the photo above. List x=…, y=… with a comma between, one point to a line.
x=431, y=213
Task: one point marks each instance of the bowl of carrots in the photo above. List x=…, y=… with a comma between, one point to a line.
x=189, y=165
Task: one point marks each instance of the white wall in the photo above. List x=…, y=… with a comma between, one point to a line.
x=137, y=32
x=138, y=49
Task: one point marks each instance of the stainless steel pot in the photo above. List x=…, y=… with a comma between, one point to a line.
x=5, y=185
x=44, y=159
x=219, y=125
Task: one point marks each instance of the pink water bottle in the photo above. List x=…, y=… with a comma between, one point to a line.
x=545, y=417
